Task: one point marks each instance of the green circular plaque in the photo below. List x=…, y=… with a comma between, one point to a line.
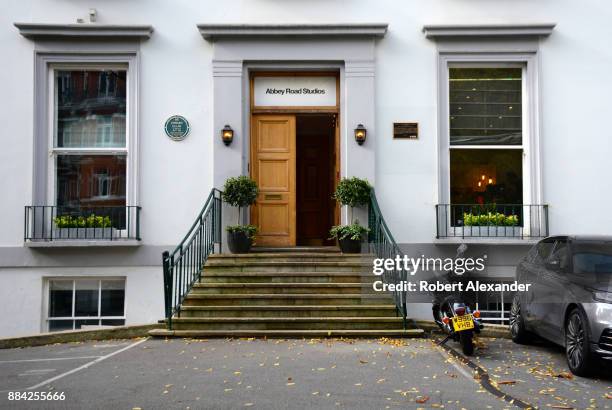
x=177, y=127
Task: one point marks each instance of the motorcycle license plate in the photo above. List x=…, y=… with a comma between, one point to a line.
x=465, y=322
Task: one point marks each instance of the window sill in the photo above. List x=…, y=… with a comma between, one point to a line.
x=82, y=243
x=487, y=241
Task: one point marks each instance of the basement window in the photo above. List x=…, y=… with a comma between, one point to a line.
x=79, y=303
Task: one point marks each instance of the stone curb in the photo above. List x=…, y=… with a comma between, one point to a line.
x=499, y=331
x=122, y=332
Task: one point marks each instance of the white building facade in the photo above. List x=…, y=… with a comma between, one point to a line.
x=470, y=109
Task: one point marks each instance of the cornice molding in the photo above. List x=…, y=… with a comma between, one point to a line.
x=445, y=31
x=212, y=32
x=44, y=31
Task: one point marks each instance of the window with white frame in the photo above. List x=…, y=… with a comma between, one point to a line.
x=74, y=303
x=486, y=116
x=89, y=137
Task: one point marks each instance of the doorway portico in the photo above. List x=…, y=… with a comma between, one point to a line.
x=240, y=50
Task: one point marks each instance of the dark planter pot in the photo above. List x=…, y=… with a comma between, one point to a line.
x=239, y=242
x=349, y=245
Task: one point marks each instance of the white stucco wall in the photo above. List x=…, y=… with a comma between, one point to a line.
x=176, y=78
x=22, y=295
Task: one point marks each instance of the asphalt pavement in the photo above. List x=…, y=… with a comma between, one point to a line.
x=294, y=374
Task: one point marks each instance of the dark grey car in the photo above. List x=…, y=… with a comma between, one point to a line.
x=570, y=298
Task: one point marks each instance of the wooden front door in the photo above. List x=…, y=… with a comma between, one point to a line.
x=273, y=167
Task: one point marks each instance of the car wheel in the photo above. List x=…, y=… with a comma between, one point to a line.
x=517, y=323
x=577, y=348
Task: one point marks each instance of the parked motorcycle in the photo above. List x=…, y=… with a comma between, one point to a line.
x=453, y=314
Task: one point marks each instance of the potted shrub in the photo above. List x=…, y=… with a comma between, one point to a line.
x=240, y=192
x=349, y=236
x=83, y=227
x=352, y=192
x=490, y=224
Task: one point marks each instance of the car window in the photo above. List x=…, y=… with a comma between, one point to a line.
x=542, y=251
x=592, y=257
x=560, y=254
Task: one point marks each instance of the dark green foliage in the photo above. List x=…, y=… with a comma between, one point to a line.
x=353, y=192
x=240, y=191
x=354, y=231
x=249, y=230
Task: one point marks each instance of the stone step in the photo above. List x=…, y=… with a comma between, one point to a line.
x=218, y=265
x=409, y=333
x=290, y=311
x=194, y=299
x=290, y=257
x=280, y=288
x=294, y=249
x=288, y=323
x=213, y=276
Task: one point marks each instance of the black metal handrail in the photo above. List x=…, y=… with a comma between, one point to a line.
x=74, y=223
x=518, y=221
x=383, y=245
x=183, y=267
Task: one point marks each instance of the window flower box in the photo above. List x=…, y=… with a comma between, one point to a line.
x=84, y=233
x=518, y=221
x=489, y=231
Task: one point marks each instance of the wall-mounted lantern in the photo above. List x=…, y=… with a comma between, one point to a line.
x=360, y=134
x=227, y=135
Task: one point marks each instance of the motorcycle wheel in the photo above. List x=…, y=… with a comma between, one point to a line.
x=466, y=338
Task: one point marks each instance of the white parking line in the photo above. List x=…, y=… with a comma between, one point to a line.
x=85, y=366
x=48, y=359
x=36, y=372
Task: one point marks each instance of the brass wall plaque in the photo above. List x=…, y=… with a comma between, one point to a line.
x=406, y=130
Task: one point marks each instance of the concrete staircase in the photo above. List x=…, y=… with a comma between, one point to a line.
x=287, y=294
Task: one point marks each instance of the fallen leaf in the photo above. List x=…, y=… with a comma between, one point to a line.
x=422, y=399
x=363, y=361
x=507, y=382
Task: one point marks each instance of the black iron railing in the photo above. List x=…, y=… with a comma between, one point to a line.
x=69, y=223
x=183, y=266
x=518, y=221
x=382, y=244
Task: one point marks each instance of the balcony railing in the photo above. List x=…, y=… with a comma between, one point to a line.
x=514, y=221
x=97, y=223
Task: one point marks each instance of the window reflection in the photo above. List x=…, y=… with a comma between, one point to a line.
x=485, y=106
x=90, y=108
x=91, y=180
